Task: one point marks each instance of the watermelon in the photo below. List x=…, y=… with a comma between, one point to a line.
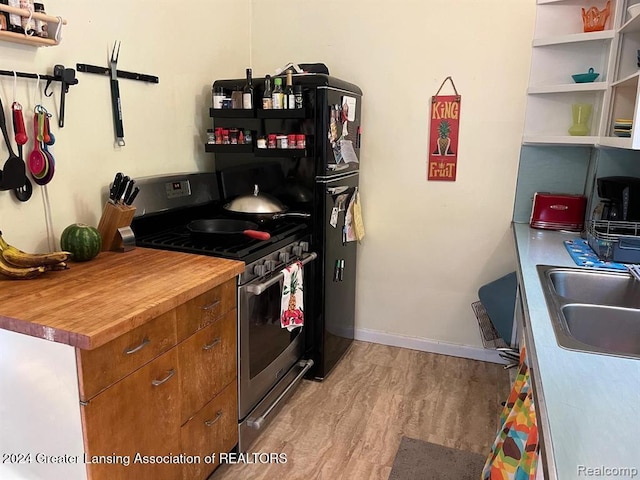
x=83, y=241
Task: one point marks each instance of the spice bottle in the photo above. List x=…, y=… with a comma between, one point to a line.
x=4, y=17
x=297, y=91
x=41, y=26
x=15, y=20
x=217, y=97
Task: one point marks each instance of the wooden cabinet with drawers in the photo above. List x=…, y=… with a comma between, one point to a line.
x=154, y=392
x=130, y=358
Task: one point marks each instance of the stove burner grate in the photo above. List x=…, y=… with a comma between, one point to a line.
x=179, y=239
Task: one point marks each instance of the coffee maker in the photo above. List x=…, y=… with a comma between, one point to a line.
x=620, y=198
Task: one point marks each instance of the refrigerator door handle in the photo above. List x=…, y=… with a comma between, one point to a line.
x=337, y=190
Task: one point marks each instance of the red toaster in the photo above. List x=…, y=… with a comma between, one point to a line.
x=558, y=211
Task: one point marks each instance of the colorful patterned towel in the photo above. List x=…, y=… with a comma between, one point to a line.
x=514, y=455
x=291, y=307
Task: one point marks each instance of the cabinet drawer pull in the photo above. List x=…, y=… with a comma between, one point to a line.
x=157, y=383
x=209, y=423
x=211, y=306
x=216, y=341
x=144, y=343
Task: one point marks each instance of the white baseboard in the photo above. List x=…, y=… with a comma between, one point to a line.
x=426, y=345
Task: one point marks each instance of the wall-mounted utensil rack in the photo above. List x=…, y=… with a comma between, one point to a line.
x=32, y=40
x=65, y=76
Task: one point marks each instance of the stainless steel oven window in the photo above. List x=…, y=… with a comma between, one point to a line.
x=267, y=339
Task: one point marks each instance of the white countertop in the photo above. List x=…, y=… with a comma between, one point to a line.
x=590, y=405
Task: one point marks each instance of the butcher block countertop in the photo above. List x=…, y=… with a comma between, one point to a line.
x=94, y=302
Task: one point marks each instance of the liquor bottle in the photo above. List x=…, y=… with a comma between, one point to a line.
x=297, y=90
x=267, y=101
x=247, y=92
x=289, y=96
x=277, y=95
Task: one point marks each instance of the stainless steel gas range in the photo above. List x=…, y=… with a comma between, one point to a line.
x=270, y=358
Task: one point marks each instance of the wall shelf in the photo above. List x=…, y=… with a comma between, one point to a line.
x=559, y=140
x=228, y=148
x=628, y=81
x=281, y=152
x=569, y=87
x=282, y=113
x=232, y=113
x=574, y=38
x=26, y=39
x=617, y=142
x=632, y=25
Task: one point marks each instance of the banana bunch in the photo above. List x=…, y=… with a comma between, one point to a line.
x=14, y=263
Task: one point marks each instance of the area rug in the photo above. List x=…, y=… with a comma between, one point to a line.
x=420, y=460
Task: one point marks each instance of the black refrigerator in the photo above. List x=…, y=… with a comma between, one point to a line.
x=337, y=161
x=328, y=171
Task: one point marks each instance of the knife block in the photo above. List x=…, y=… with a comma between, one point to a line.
x=113, y=218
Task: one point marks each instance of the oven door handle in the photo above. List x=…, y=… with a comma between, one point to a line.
x=258, y=288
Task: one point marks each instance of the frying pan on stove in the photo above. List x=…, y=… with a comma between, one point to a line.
x=225, y=230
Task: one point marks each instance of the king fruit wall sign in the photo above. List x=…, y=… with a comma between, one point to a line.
x=443, y=137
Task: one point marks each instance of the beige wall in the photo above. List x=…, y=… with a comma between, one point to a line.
x=164, y=124
x=429, y=245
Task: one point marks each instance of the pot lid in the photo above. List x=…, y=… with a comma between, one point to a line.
x=256, y=203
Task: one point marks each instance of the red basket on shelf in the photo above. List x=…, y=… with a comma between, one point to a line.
x=594, y=20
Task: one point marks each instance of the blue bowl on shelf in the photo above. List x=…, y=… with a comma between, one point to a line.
x=585, y=77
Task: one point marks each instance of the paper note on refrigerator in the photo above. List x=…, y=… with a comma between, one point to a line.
x=349, y=108
x=348, y=153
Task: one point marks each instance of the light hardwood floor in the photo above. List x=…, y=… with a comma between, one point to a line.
x=350, y=425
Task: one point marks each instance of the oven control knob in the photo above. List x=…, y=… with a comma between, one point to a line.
x=284, y=257
x=270, y=265
x=259, y=270
x=304, y=246
x=297, y=250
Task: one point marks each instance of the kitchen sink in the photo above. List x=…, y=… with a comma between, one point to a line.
x=593, y=311
x=600, y=288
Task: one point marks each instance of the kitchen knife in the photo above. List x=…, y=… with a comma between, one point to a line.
x=121, y=188
x=115, y=186
x=127, y=192
x=133, y=196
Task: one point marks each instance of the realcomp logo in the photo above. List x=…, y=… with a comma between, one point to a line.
x=603, y=471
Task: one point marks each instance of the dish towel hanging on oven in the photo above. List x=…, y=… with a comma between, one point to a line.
x=291, y=307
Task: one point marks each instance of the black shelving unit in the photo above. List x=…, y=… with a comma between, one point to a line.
x=232, y=113
x=281, y=152
x=285, y=113
x=228, y=148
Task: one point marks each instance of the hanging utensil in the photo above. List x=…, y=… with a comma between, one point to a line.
x=24, y=192
x=46, y=141
x=13, y=172
x=38, y=162
x=67, y=77
x=116, y=106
